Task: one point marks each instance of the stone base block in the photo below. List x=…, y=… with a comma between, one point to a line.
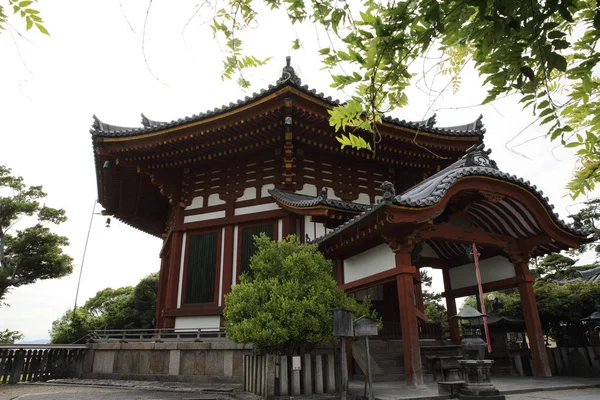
x=449, y=388
x=480, y=395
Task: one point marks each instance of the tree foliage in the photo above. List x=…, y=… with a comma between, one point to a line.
x=587, y=218
x=543, y=51
x=282, y=307
x=434, y=310
x=33, y=253
x=25, y=10
x=123, y=308
x=10, y=337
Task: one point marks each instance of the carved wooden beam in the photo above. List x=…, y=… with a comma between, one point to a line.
x=451, y=232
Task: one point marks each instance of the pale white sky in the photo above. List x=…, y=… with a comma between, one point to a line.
x=93, y=63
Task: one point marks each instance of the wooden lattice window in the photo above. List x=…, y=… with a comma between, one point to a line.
x=248, y=246
x=202, y=269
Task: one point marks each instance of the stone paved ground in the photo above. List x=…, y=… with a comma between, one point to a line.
x=31, y=392
x=512, y=385
x=519, y=389
x=573, y=394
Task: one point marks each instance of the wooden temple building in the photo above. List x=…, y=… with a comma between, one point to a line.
x=270, y=163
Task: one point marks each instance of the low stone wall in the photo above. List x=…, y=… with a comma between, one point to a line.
x=219, y=361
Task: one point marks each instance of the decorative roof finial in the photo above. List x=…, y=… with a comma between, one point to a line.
x=288, y=74
x=477, y=155
x=323, y=193
x=388, y=191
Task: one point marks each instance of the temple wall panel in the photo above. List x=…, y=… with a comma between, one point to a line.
x=256, y=209
x=492, y=270
x=214, y=200
x=249, y=194
x=210, y=321
x=367, y=263
x=264, y=190
x=204, y=217
x=308, y=189
x=313, y=229
x=348, y=182
x=238, y=179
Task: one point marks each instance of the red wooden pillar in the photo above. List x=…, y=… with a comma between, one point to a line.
x=451, y=309
x=413, y=369
x=160, y=297
x=535, y=334
x=452, y=322
x=172, y=286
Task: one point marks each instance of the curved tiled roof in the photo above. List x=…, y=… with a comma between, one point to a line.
x=303, y=200
x=288, y=78
x=590, y=275
x=475, y=162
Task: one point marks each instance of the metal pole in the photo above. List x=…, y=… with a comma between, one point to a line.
x=371, y=396
x=344, y=367
x=83, y=258
x=82, y=261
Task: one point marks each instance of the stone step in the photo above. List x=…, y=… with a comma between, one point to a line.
x=387, y=356
x=383, y=364
x=386, y=350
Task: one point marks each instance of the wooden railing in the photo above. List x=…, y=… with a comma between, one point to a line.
x=27, y=363
x=156, y=335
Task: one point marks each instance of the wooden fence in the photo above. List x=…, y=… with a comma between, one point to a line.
x=39, y=363
x=271, y=375
x=575, y=361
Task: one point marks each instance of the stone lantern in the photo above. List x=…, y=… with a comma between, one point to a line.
x=475, y=369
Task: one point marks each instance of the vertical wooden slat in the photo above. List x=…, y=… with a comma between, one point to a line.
x=306, y=374
x=330, y=374
x=283, y=376
x=318, y=360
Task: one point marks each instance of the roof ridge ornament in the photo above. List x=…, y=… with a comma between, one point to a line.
x=478, y=156
x=389, y=192
x=323, y=193
x=288, y=74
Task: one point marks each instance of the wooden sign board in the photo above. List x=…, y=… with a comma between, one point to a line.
x=296, y=363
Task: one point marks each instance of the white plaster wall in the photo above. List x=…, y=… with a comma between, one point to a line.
x=492, y=269
x=308, y=189
x=212, y=321
x=367, y=263
x=214, y=200
x=364, y=198
x=204, y=217
x=264, y=190
x=310, y=228
x=331, y=194
x=198, y=202
x=280, y=229
x=256, y=209
x=249, y=194
x=180, y=286
x=320, y=228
